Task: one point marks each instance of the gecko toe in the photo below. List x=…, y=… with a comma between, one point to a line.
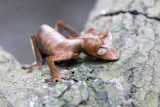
x=30, y=71
x=58, y=78
x=65, y=75
x=24, y=67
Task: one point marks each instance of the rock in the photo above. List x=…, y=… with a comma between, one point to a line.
x=136, y=36
x=133, y=80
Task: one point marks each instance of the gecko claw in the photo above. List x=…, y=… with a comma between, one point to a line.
x=24, y=67
x=30, y=71
x=58, y=78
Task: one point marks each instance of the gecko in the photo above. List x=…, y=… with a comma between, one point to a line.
x=50, y=45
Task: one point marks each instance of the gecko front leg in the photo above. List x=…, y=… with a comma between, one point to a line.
x=56, y=76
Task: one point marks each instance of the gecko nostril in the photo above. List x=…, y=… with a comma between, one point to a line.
x=117, y=56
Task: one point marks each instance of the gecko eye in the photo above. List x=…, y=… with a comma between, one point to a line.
x=102, y=51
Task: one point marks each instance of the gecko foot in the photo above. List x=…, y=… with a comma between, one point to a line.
x=32, y=67
x=58, y=77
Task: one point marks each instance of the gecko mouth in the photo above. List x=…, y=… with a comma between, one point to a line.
x=111, y=54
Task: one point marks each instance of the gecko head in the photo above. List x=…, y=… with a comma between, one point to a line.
x=101, y=48
x=107, y=53
x=106, y=50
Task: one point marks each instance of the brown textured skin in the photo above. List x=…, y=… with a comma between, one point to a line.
x=53, y=46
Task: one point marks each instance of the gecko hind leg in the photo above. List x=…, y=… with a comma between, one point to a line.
x=37, y=54
x=60, y=26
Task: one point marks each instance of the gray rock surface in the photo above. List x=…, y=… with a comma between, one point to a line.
x=133, y=80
